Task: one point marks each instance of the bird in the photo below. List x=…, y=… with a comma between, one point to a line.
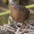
x=19, y=13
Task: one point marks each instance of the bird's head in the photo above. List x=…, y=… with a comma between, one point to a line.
x=13, y=3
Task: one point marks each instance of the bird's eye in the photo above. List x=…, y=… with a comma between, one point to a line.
x=12, y=4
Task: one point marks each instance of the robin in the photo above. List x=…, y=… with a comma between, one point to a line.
x=19, y=13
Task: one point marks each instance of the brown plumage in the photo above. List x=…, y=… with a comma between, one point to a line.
x=19, y=13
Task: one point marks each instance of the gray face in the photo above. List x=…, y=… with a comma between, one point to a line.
x=13, y=3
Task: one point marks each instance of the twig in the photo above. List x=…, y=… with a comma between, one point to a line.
x=7, y=29
x=17, y=32
x=29, y=30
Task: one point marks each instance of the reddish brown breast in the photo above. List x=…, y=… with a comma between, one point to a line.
x=19, y=16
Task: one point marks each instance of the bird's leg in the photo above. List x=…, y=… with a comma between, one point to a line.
x=22, y=25
x=25, y=23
